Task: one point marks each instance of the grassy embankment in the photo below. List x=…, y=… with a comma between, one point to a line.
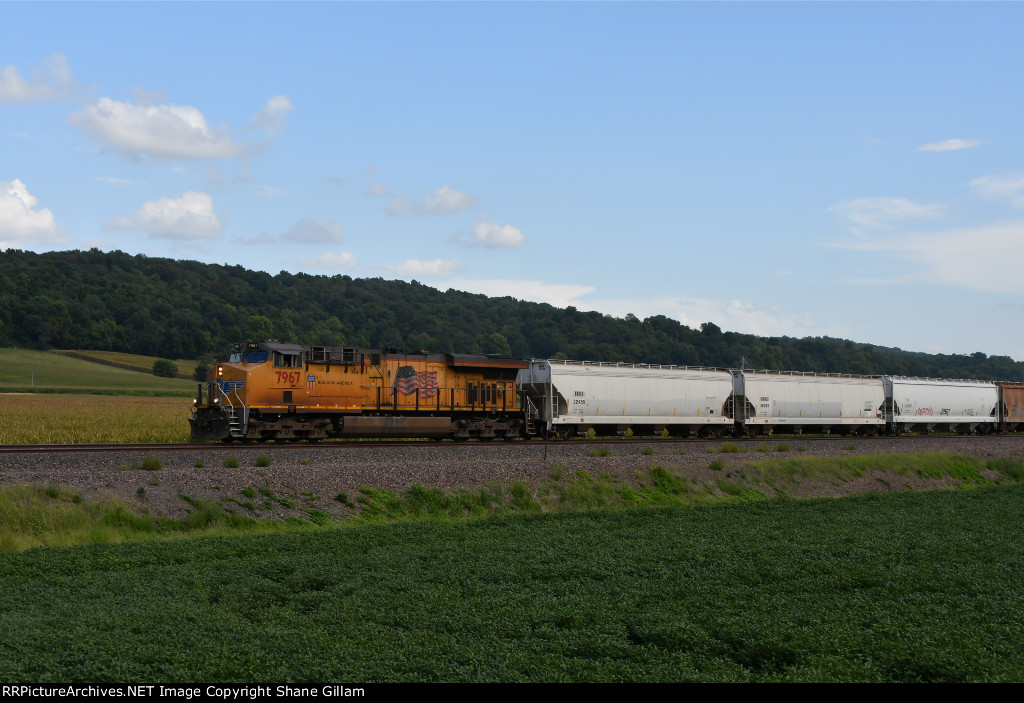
x=33, y=516
x=923, y=586
x=51, y=399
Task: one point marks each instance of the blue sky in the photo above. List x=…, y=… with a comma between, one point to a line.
x=804, y=169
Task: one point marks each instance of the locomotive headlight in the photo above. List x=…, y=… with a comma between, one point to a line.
x=216, y=401
x=220, y=370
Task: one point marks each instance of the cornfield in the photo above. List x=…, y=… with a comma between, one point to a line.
x=82, y=419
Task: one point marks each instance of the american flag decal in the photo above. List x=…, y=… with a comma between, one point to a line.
x=408, y=380
x=310, y=382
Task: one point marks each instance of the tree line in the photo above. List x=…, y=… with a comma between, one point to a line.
x=114, y=301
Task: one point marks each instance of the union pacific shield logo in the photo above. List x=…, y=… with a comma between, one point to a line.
x=408, y=381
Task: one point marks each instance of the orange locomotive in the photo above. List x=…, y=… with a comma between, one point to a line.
x=275, y=390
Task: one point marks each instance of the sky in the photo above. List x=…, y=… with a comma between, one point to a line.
x=852, y=170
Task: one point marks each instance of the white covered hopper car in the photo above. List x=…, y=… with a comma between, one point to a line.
x=939, y=404
x=574, y=396
x=808, y=402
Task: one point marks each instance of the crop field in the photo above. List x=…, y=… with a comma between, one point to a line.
x=131, y=362
x=924, y=586
x=79, y=419
x=27, y=371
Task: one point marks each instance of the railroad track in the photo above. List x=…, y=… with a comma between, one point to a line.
x=379, y=444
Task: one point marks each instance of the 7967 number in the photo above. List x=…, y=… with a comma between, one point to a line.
x=287, y=376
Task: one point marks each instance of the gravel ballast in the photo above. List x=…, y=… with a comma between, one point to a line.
x=315, y=474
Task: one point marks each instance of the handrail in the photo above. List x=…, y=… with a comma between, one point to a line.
x=627, y=365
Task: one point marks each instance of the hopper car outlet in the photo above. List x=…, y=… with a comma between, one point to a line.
x=281, y=391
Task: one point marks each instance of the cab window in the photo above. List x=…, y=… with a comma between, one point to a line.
x=288, y=360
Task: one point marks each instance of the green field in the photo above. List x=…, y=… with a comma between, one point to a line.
x=901, y=587
x=27, y=371
x=130, y=362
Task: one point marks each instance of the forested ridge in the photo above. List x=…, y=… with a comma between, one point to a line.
x=184, y=309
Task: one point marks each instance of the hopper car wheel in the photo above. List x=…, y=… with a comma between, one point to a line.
x=754, y=431
x=718, y=432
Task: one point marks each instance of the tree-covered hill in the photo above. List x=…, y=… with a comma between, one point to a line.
x=183, y=309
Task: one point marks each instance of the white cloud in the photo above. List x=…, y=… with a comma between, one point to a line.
x=950, y=145
x=309, y=231
x=54, y=82
x=560, y=295
x=414, y=267
x=988, y=258
x=446, y=200
x=159, y=131
x=1009, y=186
x=189, y=217
x=443, y=201
x=733, y=315
x=21, y=223
x=403, y=205
x=882, y=213
x=487, y=234
x=271, y=118
x=376, y=190
x=330, y=260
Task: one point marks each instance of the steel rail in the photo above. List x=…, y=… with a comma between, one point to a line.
x=394, y=443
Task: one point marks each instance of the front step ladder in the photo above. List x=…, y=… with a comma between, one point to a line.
x=238, y=415
x=236, y=421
